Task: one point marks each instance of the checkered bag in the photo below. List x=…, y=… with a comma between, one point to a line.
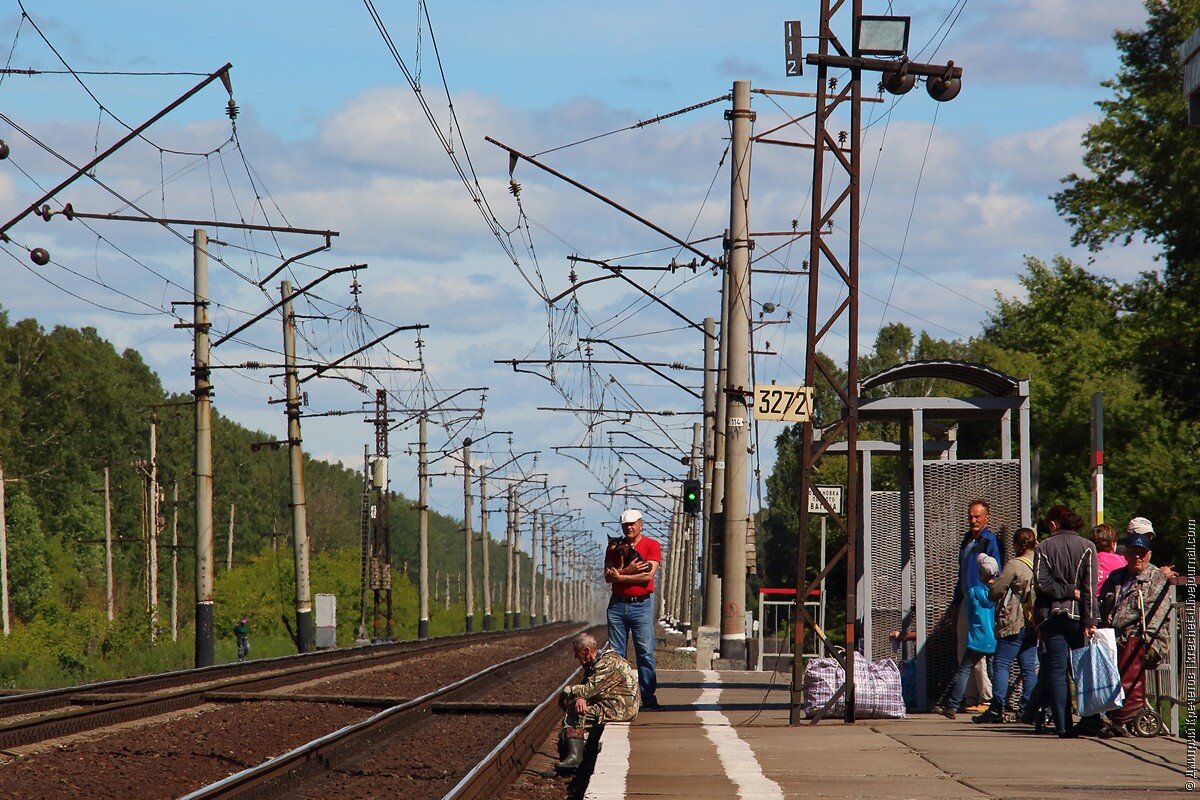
x=877, y=691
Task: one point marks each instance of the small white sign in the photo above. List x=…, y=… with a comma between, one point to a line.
x=832, y=495
x=788, y=403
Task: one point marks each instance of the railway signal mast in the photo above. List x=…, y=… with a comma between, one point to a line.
x=879, y=45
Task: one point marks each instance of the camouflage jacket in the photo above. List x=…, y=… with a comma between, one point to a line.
x=610, y=687
x=1122, y=609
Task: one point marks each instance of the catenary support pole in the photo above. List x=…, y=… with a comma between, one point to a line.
x=109, y=597
x=469, y=536
x=305, y=641
x=232, y=529
x=152, y=528
x=203, y=463
x=4, y=559
x=423, y=517
x=533, y=565
x=174, y=557
x=508, y=557
x=1097, y=458
x=710, y=584
x=487, y=547
x=733, y=584
x=545, y=573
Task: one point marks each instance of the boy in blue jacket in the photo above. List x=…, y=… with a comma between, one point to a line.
x=981, y=634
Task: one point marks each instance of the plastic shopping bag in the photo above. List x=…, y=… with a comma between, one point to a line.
x=1097, y=679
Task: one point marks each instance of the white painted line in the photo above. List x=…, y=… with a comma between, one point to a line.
x=736, y=756
x=612, y=764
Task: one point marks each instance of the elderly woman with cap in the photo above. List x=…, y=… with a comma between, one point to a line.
x=1134, y=602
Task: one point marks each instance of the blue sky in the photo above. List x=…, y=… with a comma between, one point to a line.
x=333, y=138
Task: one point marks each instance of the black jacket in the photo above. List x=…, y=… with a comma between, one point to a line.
x=1063, y=563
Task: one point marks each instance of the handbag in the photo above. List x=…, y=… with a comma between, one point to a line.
x=1097, y=679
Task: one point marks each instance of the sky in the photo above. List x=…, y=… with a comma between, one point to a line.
x=329, y=136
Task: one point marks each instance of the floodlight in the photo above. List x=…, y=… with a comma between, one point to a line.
x=881, y=36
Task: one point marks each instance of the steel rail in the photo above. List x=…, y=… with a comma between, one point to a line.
x=279, y=775
x=510, y=757
x=50, y=699
x=125, y=709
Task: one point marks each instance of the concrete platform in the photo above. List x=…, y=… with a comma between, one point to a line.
x=725, y=735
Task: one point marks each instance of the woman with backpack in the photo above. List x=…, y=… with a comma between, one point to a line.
x=1016, y=639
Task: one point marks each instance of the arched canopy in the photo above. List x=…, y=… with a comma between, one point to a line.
x=981, y=377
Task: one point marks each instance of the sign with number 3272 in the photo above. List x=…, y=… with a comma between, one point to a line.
x=788, y=403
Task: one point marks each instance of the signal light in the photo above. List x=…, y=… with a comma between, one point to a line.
x=691, y=496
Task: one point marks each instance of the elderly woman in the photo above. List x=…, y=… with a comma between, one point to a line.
x=1134, y=602
x=1016, y=640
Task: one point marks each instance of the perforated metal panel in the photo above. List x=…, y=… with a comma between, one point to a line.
x=889, y=549
x=949, y=487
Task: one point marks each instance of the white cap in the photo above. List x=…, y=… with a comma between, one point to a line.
x=1140, y=525
x=988, y=566
x=632, y=515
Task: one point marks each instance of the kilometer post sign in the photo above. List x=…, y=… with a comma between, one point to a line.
x=785, y=403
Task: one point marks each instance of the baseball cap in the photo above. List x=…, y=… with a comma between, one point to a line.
x=1140, y=525
x=988, y=566
x=631, y=515
x=1138, y=540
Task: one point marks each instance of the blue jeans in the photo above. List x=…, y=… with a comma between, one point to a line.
x=1020, y=647
x=624, y=618
x=963, y=676
x=1058, y=635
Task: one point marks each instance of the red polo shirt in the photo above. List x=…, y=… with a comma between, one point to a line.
x=651, y=551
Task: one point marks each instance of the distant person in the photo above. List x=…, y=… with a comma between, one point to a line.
x=1107, y=557
x=631, y=607
x=609, y=693
x=242, y=632
x=981, y=633
x=1016, y=640
x=978, y=540
x=1134, y=602
x=1064, y=608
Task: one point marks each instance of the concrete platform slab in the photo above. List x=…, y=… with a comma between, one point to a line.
x=725, y=735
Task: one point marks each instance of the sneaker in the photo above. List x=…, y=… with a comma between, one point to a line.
x=988, y=716
x=948, y=713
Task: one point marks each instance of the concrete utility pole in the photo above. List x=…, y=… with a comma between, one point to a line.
x=110, y=602
x=304, y=617
x=203, y=463
x=152, y=528
x=710, y=585
x=174, y=555
x=4, y=557
x=469, y=535
x=508, y=555
x=733, y=584
x=533, y=595
x=487, y=546
x=545, y=575
x=423, y=517
x=695, y=469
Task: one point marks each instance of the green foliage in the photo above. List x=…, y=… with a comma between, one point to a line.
x=1144, y=181
x=28, y=562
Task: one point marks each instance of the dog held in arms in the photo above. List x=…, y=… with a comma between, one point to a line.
x=621, y=556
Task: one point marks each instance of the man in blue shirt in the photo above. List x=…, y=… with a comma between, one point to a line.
x=978, y=539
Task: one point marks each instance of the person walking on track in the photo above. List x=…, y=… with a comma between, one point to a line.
x=631, y=607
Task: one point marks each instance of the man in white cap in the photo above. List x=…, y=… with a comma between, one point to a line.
x=631, y=607
x=1140, y=526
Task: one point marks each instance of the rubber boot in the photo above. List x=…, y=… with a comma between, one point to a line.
x=576, y=739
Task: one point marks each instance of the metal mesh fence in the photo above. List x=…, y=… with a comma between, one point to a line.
x=888, y=551
x=949, y=487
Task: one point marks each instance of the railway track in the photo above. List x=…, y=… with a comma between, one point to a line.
x=347, y=762
x=114, y=702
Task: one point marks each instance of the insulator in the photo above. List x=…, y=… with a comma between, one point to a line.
x=39, y=256
x=898, y=82
x=943, y=90
x=231, y=109
x=45, y=212
x=514, y=188
x=3, y=149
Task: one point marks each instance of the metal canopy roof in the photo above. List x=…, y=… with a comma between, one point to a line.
x=981, y=377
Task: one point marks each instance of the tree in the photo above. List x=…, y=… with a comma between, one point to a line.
x=1145, y=182
x=28, y=564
